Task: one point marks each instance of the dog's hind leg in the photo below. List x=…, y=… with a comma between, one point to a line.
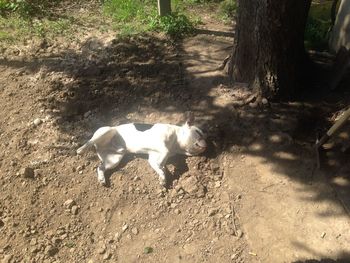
x=109, y=159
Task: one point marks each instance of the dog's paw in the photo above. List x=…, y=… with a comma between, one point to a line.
x=101, y=176
x=102, y=181
x=162, y=181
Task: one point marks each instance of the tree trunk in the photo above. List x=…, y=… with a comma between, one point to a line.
x=269, y=51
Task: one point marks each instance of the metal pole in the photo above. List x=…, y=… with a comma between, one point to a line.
x=164, y=7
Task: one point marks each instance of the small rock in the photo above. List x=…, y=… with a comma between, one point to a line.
x=69, y=203
x=239, y=233
x=7, y=259
x=135, y=231
x=217, y=184
x=87, y=114
x=27, y=172
x=125, y=227
x=102, y=249
x=136, y=178
x=192, y=186
x=56, y=240
x=212, y=211
x=33, y=242
x=253, y=105
x=34, y=250
x=107, y=256
x=264, y=101
x=51, y=250
x=117, y=236
x=178, y=188
x=37, y=121
x=214, y=166
x=323, y=234
x=177, y=211
x=74, y=210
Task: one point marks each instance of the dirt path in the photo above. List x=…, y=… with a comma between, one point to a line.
x=253, y=197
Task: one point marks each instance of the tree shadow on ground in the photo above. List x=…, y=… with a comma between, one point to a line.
x=129, y=78
x=326, y=260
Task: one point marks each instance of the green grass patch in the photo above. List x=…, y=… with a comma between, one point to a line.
x=129, y=10
x=23, y=19
x=227, y=9
x=15, y=28
x=137, y=16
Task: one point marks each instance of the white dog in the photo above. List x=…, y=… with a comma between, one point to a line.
x=159, y=141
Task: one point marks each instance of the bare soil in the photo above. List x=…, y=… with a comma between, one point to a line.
x=255, y=196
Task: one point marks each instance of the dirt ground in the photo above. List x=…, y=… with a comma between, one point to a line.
x=254, y=196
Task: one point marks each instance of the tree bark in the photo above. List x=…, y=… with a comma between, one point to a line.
x=269, y=51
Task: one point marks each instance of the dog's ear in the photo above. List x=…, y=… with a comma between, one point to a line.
x=189, y=118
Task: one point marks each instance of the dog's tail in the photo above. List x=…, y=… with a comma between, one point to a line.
x=101, y=138
x=85, y=147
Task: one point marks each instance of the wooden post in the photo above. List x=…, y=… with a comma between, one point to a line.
x=164, y=7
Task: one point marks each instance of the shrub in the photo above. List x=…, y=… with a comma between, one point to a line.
x=26, y=8
x=228, y=8
x=174, y=24
x=318, y=25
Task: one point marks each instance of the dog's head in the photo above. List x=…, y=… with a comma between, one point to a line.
x=193, y=138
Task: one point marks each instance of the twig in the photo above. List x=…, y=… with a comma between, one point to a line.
x=223, y=64
x=233, y=214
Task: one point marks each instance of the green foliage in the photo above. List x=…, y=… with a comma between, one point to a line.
x=124, y=10
x=316, y=33
x=26, y=8
x=228, y=8
x=130, y=10
x=70, y=244
x=317, y=27
x=14, y=28
x=5, y=36
x=147, y=250
x=200, y=1
x=174, y=24
x=136, y=16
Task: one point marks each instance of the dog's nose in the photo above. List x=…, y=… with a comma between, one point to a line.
x=202, y=144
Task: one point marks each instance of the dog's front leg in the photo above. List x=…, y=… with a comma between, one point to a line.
x=101, y=174
x=157, y=162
